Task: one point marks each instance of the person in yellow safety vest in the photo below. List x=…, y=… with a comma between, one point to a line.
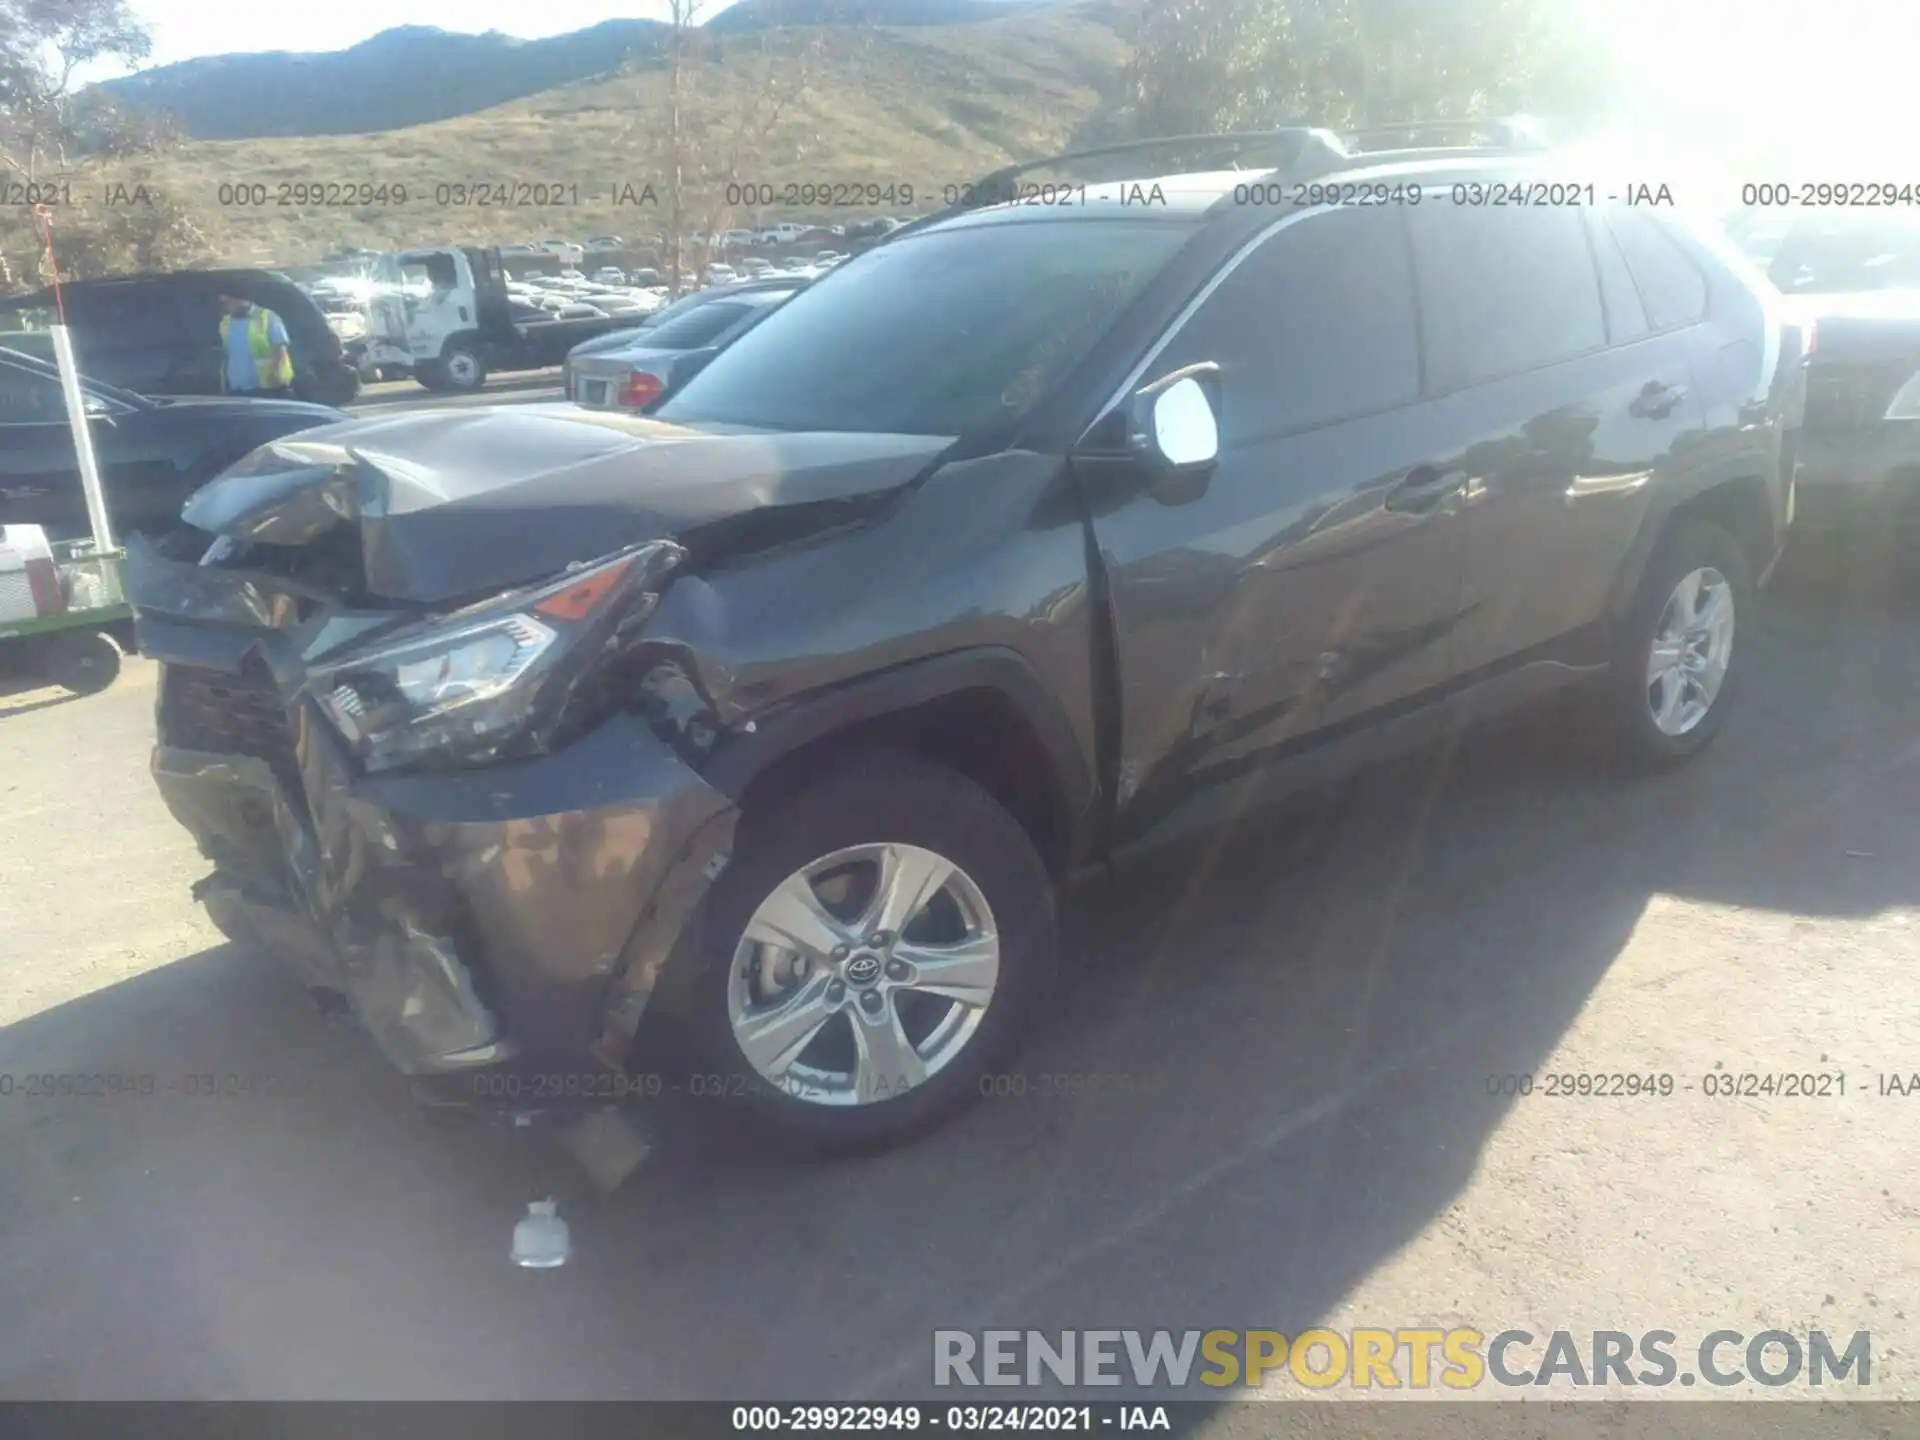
x=254, y=342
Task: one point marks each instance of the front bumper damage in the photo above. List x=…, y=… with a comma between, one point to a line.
x=516, y=919
x=505, y=922
x=516, y=915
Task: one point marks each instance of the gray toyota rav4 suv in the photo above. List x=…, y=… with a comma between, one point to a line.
x=782, y=713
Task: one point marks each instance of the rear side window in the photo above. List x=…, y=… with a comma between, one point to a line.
x=29, y=399
x=1503, y=290
x=131, y=315
x=1670, y=284
x=18, y=316
x=1626, y=317
x=697, y=326
x=1315, y=326
x=295, y=309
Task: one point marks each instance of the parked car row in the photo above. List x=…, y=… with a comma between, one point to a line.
x=1851, y=278
x=1020, y=544
x=776, y=234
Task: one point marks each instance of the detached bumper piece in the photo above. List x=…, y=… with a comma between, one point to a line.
x=476, y=921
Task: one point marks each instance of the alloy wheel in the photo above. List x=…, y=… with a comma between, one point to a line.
x=863, y=974
x=1692, y=646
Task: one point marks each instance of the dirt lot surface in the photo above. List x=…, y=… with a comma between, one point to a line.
x=1288, y=1121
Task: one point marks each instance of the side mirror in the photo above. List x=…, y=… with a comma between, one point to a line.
x=1173, y=429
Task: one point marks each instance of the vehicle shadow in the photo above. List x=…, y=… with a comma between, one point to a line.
x=23, y=691
x=1266, y=1074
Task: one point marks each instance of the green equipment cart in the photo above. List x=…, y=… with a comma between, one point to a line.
x=63, y=614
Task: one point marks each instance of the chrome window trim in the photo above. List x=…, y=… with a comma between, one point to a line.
x=1187, y=312
x=1180, y=321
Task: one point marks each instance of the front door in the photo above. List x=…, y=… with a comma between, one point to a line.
x=435, y=301
x=1312, y=584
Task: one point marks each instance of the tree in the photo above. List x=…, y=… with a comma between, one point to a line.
x=1214, y=65
x=723, y=97
x=59, y=139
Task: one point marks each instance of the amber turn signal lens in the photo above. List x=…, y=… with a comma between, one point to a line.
x=576, y=602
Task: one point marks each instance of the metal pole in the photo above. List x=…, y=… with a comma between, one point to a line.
x=82, y=437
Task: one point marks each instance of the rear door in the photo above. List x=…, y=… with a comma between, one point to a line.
x=136, y=336
x=1558, y=405
x=1307, y=586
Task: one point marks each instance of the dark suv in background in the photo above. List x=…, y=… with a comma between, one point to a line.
x=160, y=334
x=1034, y=536
x=1851, y=279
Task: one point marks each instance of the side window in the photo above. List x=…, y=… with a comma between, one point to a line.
x=1670, y=284
x=29, y=399
x=131, y=316
x=24, y=317
x=431, y=272
x=1503, y=290
x=1314, y=326
x=1626, y=317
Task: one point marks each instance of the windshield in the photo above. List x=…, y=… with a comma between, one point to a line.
x=939, y=334
x=1843, y=253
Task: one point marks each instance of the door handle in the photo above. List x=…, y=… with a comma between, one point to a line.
x=1425, y=487
x=1656, y=401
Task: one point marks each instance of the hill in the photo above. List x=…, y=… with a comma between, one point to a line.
x=411, y=75
x=418, y=74
x=877, y=119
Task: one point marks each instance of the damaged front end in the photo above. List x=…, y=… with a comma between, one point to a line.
x=456, y=814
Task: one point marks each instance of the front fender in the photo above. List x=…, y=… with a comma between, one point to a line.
x=819, y=714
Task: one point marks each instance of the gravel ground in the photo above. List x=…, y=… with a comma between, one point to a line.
x=1301, y=1021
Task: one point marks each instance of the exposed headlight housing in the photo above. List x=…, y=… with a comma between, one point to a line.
x=1906, y=401
x=494, y=680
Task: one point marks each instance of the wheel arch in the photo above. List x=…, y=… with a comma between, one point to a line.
x=469, y=339
x=1742, y=505
x=984, y=712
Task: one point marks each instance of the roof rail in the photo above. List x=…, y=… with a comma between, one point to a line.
x=1502, y=133
x=1286, y=147
x=1294, y=147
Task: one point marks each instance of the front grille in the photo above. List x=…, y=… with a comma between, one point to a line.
x=1852, y=396
x=226, y=714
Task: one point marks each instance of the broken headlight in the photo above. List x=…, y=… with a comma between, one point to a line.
x=491, y=681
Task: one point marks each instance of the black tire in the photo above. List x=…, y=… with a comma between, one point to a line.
x=1637, y=740
x=83, y=661
x=430, y=375
x=340, y=387
x=461, y=368
x=880, y=798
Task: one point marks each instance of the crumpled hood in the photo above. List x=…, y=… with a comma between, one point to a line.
x=459, y=502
